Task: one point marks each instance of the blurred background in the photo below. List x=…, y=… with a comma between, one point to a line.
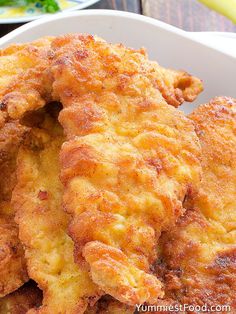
x=190, y=15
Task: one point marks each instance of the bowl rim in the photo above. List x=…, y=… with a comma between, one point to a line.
x=91, y=12
x=112, y=13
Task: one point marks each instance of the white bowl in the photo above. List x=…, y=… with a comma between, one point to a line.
x=170, y=46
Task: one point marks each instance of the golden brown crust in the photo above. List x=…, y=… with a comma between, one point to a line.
x=12, y=264
x=42, y=223
x=26, y=84
x=20, y=301
x=126, y=148
x=178, y=86
x=113, y=263
x=25, y=81
x=11, y=135
x=175, y=86
x=201, y=249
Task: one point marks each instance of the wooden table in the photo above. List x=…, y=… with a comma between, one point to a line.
x=189, y=15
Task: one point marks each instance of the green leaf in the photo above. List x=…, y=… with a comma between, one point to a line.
x=48, y=6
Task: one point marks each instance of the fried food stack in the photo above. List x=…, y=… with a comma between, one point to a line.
x=109, y=195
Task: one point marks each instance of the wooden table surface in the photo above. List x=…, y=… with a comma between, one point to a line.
x=189, y=15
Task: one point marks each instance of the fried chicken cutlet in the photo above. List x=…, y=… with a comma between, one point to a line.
x=21, y=300
x=201, y=250
x=12, y=264
x=127, y=165
x=66, y=286
x=25, y=82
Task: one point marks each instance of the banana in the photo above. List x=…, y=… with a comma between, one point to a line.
x=225, y=7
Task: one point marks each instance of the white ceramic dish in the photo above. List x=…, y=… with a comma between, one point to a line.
x=168, y=45
x=9, y=15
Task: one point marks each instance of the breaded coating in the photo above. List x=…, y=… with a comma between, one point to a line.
x=200, y=251
x=12, y=264
x=127, y=165
x=66, y=286
x=25, y=82
x=23, y=299
x=177, y=86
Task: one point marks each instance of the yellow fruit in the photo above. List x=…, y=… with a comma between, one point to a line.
x=225, y=7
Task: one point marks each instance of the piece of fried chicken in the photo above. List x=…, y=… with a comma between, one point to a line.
x=25, y=82
x=128, y=163
x=66, y=286
x=201, y=250
x=12, y=264
x=23, y=299
x=175, y=86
